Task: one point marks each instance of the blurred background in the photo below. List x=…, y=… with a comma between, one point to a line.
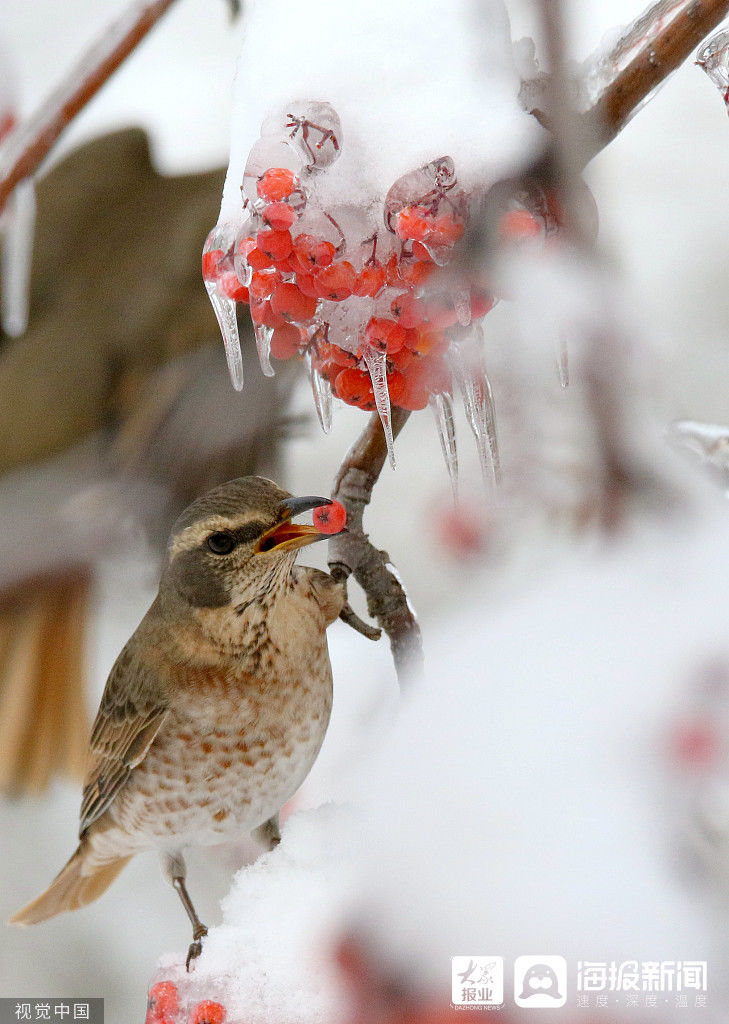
x=661, y=189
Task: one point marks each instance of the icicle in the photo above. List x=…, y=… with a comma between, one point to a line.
x=228, y=322
x=462, y=306
x=713, y=58
x=17, y=256
x=263, y=344
x=442, y=406
x=468, y=367
x=377, y=366
x=563, y=366
x=322, y=393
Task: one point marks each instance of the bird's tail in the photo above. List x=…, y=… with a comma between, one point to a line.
x=78, y=883
x=43, y=716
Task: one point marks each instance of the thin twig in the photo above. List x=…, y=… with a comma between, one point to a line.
x=664, y=51
x=30, y=142
x=352, y=552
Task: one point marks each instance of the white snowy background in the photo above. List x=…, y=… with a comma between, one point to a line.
x=593, y=662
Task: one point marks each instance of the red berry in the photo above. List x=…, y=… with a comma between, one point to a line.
x=163, y=998
x=696, y=744
x=334, y=354
x=385, y=335
x=208, y=1012
x=312, y=253
x=420, y=252
x=516, y=225
x=210, y=261
x=416, y=274
x=355, y=388
x=446, y=230
x=406, y=392
x=407, y=310
x=261, y=285
x=263, y=315
x=330, y=518
x=253, y=256
x=481, y=303
x=425, y=339
x=274, y=244
x=412, y=222
x=307, y=284
x=279, y=216
x=286, y=341
x=231, y=286
x=370, y=280
x=290, y=302
x=276, y=184
x=337, y=281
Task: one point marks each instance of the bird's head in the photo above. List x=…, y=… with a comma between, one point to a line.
x=237, y=540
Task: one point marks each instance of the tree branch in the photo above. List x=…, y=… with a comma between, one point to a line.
x=30, y=142
x=352, y=552
x=665, y=50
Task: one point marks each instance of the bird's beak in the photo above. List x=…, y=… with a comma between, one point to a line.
x=288, y=536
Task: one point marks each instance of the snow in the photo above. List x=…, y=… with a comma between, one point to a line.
x=405, y=92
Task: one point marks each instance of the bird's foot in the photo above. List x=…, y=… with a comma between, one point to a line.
x=195, y=946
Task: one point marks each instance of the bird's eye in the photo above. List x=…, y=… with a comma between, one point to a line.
x=221, y=543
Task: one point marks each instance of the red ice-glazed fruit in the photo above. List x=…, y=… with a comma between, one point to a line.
x=208, y=1012
x=330, y=518
x=276, y=184
x=279, y=216
x=210, y=261
x=162, y=999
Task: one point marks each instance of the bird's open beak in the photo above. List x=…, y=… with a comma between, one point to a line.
x=288, y=536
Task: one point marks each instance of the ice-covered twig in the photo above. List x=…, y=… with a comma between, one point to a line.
x=351, y=553
x=31, y=141
x=670, y=32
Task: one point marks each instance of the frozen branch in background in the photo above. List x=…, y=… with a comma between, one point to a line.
x=31, y=141
x=655, y=45
x=351, y=553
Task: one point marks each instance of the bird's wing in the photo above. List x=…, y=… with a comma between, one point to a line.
x=132, y=710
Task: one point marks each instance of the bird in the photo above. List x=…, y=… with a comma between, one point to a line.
x=215, y=710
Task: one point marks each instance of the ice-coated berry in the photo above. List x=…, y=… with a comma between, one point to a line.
x=231, y=286
x=276, y=183
x=289, y=302
x=337, y=281
x=355, y=388
x=274, y=244
x=286, y=341
x=330, y=518
x=313, y=253
x=210, y=261
x=516, y=225
x=163, y=998
x=279, y=216
x=370, y=280
x=208, y=1012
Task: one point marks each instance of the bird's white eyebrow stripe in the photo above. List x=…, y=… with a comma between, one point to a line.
x=193, y=536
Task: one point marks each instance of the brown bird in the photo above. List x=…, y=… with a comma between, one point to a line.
x=215, y=710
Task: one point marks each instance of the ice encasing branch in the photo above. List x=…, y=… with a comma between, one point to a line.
x=352, y=552
x=31, y=141
x=665, y=49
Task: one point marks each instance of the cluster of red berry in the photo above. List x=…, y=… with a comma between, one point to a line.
x=363, y=311
x=163, y=1007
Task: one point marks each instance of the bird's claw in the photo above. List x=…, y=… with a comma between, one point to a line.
x=349, y=616
x=195, y=946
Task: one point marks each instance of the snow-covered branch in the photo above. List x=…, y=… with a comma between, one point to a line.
x=31, y=141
